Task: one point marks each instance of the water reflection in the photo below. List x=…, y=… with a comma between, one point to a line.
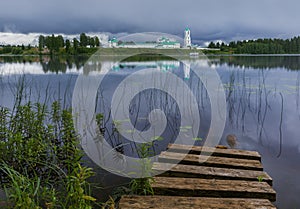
x=289, y=62
x=258, y=98
x=263, y=112
x=148, y=100
x=41, y=64
x=262, y=94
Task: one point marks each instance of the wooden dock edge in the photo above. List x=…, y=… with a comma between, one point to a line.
x=167, y=202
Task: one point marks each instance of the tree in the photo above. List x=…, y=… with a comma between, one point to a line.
x=97, y=42
x=41, y=43
x=92, y=42
x=75, y=44
x=60, y=41
x=211, y=45
x=83, y=40
x=55, y=43
x=50, y=43
x=68, y=45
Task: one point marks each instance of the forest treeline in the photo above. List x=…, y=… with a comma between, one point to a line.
x=56, y=44
x=260, y=46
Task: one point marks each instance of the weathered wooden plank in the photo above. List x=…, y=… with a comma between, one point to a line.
x=190, y=171
x=211, y=161
x=230, y=153
x=167, y=202
x=214, y=151
x=193, y=187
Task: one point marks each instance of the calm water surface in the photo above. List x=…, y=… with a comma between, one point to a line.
x=262, y=95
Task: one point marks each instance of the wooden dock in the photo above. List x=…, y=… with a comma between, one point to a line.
x=229, y=178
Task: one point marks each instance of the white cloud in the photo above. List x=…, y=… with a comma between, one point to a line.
x=32, y=38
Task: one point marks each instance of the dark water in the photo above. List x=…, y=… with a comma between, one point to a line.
x=262, y=96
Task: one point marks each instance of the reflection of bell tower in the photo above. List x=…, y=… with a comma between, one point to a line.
x=186, y=70
x=187, y=38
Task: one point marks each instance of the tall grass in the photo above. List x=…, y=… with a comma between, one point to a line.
x=41, y=158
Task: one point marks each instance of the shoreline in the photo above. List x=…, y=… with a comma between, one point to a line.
x=154, y=52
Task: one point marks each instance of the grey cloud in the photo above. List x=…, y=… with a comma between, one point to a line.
x=208, y=20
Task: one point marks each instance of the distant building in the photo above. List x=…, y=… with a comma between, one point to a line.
x=187, y=38
x=113, y=43
x=164, y=42
x=161, y=43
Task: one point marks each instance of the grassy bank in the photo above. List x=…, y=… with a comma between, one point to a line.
x=17, y=50
x=126, y=51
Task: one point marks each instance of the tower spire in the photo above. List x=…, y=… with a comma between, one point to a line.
x=187, y=38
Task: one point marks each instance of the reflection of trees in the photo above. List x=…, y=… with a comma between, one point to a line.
x=263, y=62
x=54, y=65
x=18, y=59
x=92, y=66
x=61, y=64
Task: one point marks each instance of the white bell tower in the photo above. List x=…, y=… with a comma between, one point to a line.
x=187, y=38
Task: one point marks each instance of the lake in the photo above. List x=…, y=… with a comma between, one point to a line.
x=262, y=96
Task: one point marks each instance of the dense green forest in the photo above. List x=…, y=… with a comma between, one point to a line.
x=260, y=46
x=56, y=45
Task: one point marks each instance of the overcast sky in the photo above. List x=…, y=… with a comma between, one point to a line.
x=207, y=19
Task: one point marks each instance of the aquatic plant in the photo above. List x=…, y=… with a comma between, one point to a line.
x=142, y=186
